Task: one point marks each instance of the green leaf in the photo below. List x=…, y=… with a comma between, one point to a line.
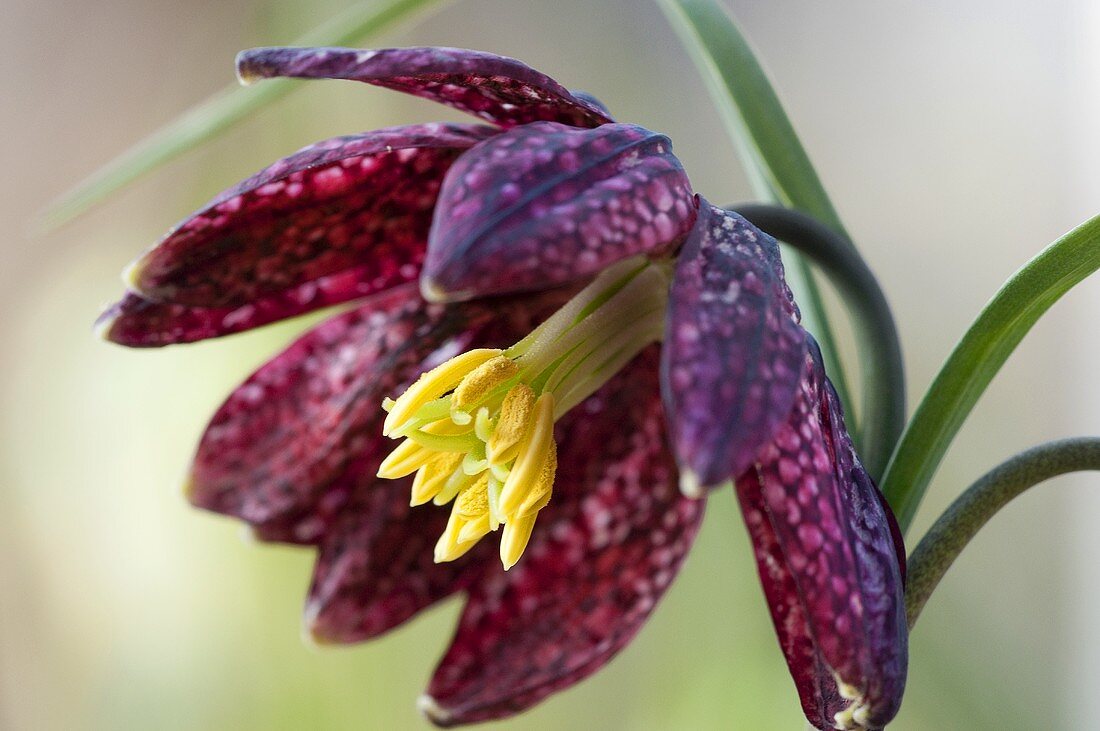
x=978, y=356
x=220, y=112
x=775, y=160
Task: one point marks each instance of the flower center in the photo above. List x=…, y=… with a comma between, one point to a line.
x=478, y=430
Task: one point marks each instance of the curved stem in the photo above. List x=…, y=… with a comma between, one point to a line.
x=881, y=368
x=953, y=530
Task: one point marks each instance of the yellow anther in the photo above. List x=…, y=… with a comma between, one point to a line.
x=512, y=425
x=479, y=382
x=539, y=494
x=456, y=483
x=514, y=540
x=406, y=459
x=474, y=500
x=469, y=521
x=434, y=384
x=474, y=530
x=534, y=450
x=448, y=547
x=431, y=477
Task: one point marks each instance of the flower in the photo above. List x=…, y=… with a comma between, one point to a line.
x=536, y=397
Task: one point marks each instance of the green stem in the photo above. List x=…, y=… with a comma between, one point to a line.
x=946, y=539
x=978, y=357
x=881, y=367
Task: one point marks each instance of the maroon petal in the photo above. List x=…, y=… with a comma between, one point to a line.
x=501, y=90
x=356, y=207
x=138, y=322
x=376, y=565
x=733, y=350
x=828, y=562
x=545, y=204
x=295, y=424
x=308, y=423
x=602, y=554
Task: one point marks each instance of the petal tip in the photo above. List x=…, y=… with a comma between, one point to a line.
x=249, y=535
x=131, y=275
x=247, y=72
x=433, y=292
x=430, y=709
x=104, y=324
x=313, y=634
x=691, y=486
x=189, y=488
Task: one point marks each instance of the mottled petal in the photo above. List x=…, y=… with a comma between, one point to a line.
x=360, y=204
x=293, y=429
x=498, y=89
x=601, y=556
x=376, y=566
x=733, y=348
x=546, y=204
x=137, y=322
x=828, y=562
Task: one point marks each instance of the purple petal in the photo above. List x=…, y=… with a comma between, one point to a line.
x=602, y=554
x=360, y=204
x=733, y=350
x=501, y=90
x=828, y=562
x=545, y=204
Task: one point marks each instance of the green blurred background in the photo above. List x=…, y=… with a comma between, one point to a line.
x=956, y=139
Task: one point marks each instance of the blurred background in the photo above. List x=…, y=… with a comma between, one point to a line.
x=957, y=139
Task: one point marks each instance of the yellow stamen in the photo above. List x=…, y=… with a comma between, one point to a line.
x=431, y=477
x=448, y=547
x=406, y=459
x=478, y=430
x=434, y=384
x=533, y=453
x=514, y=540
x=539, y=494
x=469, y=521
x=475, y=529
x=515, y=418
x=479, y=382
x=474, y=500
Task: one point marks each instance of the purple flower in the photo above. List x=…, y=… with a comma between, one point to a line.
x=555, y=250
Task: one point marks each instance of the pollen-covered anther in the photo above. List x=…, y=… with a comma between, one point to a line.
x=433, y=384
x=513, y=542
x=512, y=425
x=539, y=494
x=431, y=478
x=468, y=523
x=534, y=452
x=480, y=382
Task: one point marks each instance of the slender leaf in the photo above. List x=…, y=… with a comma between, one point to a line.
x=978, y=356
x=775, y=160
x=221, y=111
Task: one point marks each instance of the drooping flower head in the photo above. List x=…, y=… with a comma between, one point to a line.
x=554, y=251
